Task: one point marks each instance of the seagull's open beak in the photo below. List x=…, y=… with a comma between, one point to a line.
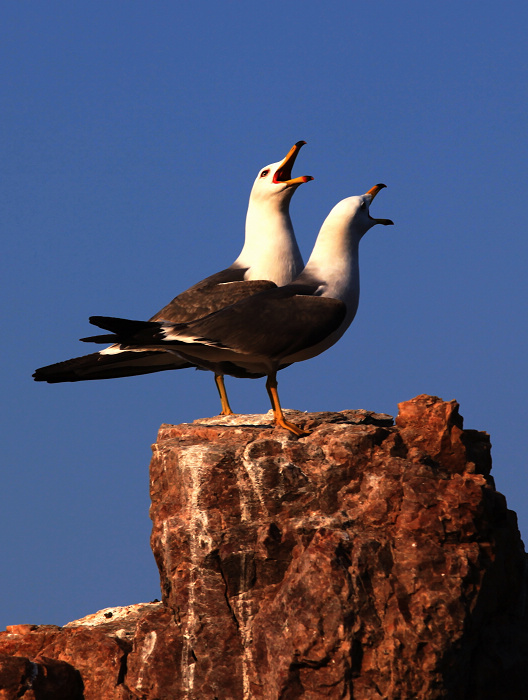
x=373, y=192
x=284, y=171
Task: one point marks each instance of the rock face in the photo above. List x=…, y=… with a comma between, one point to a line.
x=365, y=561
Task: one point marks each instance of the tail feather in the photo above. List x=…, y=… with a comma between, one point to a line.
x=106, y=339
x=127, y=332
x=122, y=326
x=98, y=366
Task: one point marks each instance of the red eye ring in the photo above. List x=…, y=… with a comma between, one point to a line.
x=264, y=173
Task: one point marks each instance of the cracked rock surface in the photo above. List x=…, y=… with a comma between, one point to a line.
x=365, y=561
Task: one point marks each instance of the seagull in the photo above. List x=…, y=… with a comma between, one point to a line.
x=270, y=257
x=262, y=334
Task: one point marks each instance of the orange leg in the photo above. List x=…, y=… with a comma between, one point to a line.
x=226, y=408
x=271, y=388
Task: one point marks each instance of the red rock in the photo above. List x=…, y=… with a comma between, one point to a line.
x=16, y=675
x=364, y=561
x=345, y=564
x=48, y=679
x=154, y=664
x=95, y=654
x=20, y=629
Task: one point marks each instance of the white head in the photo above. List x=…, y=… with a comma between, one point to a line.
x=352, y=215
x=274, y=183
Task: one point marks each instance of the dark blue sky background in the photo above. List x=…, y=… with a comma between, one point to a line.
x=131, y=133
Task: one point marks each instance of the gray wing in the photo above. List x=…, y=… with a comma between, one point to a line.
x=211, y=294
x=275, y=323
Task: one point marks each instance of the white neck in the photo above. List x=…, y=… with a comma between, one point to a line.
x=334, y=261
x=270, y=250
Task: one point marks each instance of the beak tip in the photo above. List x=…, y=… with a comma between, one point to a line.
x=374, y=190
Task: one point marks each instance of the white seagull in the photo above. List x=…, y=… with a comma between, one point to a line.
x=264, y=333
x=270, y=256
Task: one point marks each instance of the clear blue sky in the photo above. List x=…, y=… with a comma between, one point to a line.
x=131, y=133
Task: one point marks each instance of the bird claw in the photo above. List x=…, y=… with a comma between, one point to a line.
x=291, y=427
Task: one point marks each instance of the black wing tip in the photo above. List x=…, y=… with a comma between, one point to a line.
x=106, y=339
x=40, y=375
x=100, y=321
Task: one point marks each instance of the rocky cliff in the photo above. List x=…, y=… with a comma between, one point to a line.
x=365, y=561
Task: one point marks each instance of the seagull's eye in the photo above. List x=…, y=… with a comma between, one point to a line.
x=363, y=205
x=264, y=173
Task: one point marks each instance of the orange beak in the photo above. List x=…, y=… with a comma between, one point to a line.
x=373, y=192
x=284, y=171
